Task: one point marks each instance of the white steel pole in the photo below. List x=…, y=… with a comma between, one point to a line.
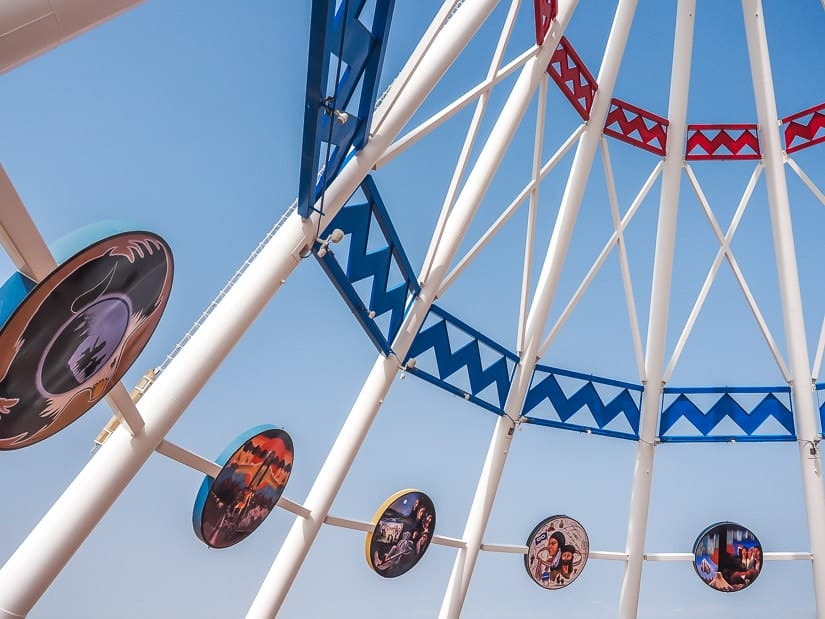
x=792, y=313
x=29, y=29
x=490, y=477
x=659, y=307
x=285, y=568
x=47, y=549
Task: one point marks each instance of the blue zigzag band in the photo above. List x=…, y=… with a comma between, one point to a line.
x=726, y=406
x=356, y=220
x=436, y=338
x=548, y=388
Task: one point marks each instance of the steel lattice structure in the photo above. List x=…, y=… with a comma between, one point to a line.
x=349, y=133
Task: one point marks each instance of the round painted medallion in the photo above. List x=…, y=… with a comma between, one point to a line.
x=557, y=551
x=404, y=527
x=256, y=469
x=727, y=556
x=75, y=334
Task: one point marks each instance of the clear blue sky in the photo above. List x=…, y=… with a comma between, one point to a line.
x=185, y=118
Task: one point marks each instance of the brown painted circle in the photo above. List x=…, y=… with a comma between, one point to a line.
x=404, y=527
x=76, y=334
x=727, y=557
x=548, y=547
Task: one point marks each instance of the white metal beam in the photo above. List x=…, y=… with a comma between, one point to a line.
x=470, y=138
x=490, y=477
x=805, y=412
x=630, y=297
x=532, y=214
x=714, y=268
x=188, y=458
x=509, y=211
x=806, y=179
x=20, y=237
x=600, y=260
x=451, y=109
x=659, y=308
x=28, y=29
x=395, y=91
x=820, y=347
x=724, y=244
x=124, y=409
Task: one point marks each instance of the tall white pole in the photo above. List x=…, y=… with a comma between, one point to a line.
x=801, y=387
x=43, y=554
x=491, y=473
x=659, y=307
x=301, y=536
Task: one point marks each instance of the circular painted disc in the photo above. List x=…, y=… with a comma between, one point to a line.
x=404, y=527
x=557, y=552
x=256, y=468
x=727, y=556
x=77, y=332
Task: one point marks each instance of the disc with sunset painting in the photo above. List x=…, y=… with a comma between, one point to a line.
x=256, y=468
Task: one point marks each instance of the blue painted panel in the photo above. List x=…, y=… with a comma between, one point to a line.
x=691, y=390
x=820, y=387
x=497, y=408
x=728, y=438
x=344, y=47
x=356, y=220
x=577, y=428
x=727, y=407
x=545, y=387
x=12, y=293
x=436, y=338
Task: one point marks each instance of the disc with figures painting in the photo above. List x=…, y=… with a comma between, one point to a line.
x=557, y=552
x=404, y=528
x=727, y=556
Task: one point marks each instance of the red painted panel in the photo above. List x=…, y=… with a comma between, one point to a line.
x=805, y=128
x=636, y=126
x=546, y=11
x=708, y=142
x=571, y=75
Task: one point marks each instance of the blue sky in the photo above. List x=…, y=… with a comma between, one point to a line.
x=185, y=118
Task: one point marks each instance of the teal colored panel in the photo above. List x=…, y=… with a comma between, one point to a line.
x=12, y=293
x=67, y=246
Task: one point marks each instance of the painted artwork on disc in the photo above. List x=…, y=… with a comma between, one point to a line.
x=76, y=334
x=405, y=524
x=246, y=490
x=557, y=552
x=727, y=557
